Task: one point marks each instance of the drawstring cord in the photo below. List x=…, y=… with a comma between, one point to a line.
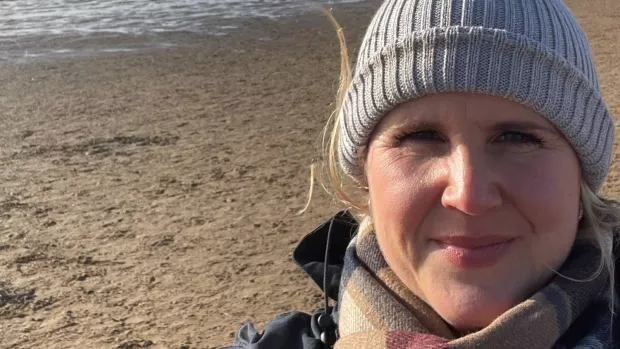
x=326, y=260
x=322, y=323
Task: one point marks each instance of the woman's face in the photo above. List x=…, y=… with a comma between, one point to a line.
x=474, y=200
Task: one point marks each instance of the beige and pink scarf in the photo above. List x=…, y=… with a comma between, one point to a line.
x=376, y=311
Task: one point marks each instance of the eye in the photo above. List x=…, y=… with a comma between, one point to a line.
x=424, y=135
x=517, y=137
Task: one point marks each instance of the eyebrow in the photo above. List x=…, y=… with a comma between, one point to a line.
x=520, y=126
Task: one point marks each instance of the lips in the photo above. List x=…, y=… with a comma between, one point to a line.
x=474, y=252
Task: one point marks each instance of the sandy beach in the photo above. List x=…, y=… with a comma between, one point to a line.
x=149, y=199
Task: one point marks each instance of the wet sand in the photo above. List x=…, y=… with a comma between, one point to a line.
x=150, y=199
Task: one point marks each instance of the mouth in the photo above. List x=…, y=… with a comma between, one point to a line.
x=478, y=252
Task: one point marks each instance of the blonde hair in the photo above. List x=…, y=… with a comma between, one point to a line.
x=599, y=224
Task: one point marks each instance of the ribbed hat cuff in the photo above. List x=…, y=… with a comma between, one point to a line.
x=478, y=60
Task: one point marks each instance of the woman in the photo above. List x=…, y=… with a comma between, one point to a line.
x=478, y=137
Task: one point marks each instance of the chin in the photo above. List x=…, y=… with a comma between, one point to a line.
x=464, y=324
x=471, y=309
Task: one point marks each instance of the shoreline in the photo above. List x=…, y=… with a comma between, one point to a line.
x=46, y=48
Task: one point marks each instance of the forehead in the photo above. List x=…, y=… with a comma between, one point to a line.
x=462, y=108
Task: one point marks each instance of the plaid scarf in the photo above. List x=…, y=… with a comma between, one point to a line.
x=377, y=311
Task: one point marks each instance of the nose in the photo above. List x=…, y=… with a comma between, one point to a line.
x=471, y=187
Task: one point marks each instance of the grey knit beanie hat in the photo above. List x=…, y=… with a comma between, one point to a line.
x=530, y=51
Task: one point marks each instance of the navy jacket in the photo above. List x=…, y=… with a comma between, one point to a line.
x=297, y=330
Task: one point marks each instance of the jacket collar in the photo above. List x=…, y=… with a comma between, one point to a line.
x=310, y=252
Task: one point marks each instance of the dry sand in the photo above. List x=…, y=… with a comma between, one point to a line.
x=148, y=200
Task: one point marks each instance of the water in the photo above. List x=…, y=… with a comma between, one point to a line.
x=33, y=28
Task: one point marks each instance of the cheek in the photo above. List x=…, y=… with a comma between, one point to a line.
x=545, y=194
x=397, y=184
x=402, y=192
x=545, y=189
